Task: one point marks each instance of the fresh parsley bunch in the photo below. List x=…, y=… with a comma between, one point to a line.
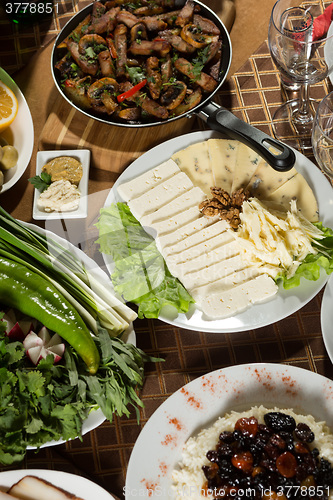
x=50, y=402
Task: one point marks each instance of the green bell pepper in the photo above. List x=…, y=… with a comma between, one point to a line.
x=33, y=295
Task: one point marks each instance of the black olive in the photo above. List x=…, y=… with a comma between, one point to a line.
x=226, y=437
x=224, y=450
x=279, y=421
x=212, y=456
x=304, y=433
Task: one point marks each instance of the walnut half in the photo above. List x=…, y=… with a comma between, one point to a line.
x=225, y=206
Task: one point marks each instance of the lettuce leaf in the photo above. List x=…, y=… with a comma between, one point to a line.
x=311, y=266
x=140, y=273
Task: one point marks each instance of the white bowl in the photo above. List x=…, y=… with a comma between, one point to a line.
x=82, y=155
x=19, y=134
x=197, y=405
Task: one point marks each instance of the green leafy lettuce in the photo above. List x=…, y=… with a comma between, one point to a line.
x=140, y=273
x=51, y=402
x=311, y=266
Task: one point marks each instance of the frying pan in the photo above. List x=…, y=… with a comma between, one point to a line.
x=277, y=154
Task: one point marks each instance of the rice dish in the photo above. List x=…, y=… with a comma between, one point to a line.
x=189, y=478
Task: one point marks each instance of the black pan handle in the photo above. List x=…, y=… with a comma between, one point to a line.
x=277, y=154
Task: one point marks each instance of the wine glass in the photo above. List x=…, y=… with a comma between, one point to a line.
x=300, y=57
x=322, y=135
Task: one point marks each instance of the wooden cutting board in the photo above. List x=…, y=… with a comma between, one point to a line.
x=114, y=148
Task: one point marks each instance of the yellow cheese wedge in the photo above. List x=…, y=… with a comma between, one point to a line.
x=266, y=180
x=223, y=155
x=195, y=162
x=297, y=188
x=246, y=164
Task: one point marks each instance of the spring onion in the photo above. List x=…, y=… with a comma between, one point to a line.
x=95, y=300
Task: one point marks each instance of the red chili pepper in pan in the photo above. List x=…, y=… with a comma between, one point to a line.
x=69, y=83
x=131, y=91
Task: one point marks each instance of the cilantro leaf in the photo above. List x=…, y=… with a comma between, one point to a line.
x=51, y=402
x=136, y=74
x=41, y=182
x=200, y=60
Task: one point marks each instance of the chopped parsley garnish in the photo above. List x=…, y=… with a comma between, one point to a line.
x=200, y=61
x=136, y=74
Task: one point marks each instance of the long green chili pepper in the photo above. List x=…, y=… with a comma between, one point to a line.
x=33, y=295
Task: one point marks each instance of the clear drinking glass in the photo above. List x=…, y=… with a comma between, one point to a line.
x=322, y=135
x=301, y=59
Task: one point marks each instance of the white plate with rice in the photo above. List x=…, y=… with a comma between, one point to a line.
x=199, y=404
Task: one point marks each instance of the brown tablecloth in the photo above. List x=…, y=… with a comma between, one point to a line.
x=252, y=93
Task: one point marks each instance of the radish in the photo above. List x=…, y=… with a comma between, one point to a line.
x=38, y=346
x=17, y=329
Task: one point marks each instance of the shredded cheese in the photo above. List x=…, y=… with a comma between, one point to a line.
x=275, y=241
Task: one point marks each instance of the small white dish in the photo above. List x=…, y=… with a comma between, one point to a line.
x=326, y=318
x=82, y=155
x=19, y=134
x=73, y=483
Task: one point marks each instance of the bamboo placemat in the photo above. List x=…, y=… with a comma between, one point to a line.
x=19, y=42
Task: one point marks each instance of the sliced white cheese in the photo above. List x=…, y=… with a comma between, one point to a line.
x=225, y=303
x=195, y=162
x=223, y=154
x=198, y=237
x=260, y=289
x=204, y=255
x=136, y=187
x=185, y=231
x=266, y=180
x=191, y=198
x=297, y=189
x=188, y=260
x=247, y=162
x=159, y=195
x=176, y=221
x=201, y=293
x=213, y=271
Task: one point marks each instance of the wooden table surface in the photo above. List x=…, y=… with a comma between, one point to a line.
x=252, y=90
x=249, y=30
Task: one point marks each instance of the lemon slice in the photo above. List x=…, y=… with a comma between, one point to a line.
x=8, y=106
